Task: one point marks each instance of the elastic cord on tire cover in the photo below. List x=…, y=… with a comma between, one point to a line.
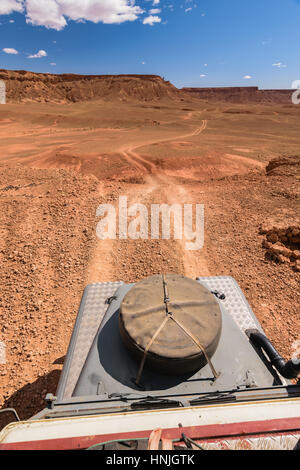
x=170, y=316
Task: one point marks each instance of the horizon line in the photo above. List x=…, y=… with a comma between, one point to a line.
x=145, y=75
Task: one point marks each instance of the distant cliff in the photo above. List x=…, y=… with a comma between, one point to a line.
x=25, y=86
x=241, y=94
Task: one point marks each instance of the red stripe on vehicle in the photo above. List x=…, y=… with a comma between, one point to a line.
x=212, y=431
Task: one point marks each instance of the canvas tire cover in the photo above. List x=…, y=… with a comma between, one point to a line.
x=173, y=352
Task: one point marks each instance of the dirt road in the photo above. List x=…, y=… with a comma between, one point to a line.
x=159, y=188
x=59, y=163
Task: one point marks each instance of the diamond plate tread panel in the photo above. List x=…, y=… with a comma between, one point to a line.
x=91, y=312
x=281, y=442
x=235, y=303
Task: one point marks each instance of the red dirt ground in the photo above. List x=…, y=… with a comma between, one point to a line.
x=58, y=162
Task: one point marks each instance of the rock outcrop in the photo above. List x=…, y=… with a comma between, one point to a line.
x=24, y=86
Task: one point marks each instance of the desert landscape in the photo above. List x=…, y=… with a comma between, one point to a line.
x=70, y=143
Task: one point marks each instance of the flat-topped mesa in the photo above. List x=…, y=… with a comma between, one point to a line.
x=222, y=89
x=250, y=94
x=25, y=86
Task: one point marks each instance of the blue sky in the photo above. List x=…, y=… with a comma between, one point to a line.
x=189, y=42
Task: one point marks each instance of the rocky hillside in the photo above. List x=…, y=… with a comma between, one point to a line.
x=24, y=86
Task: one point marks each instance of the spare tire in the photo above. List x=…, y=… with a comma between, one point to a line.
x=173, y=352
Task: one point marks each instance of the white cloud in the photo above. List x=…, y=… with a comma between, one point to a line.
x=11, y=21
x=38, y=55
x=188, y=9
x=156, y=2
x=151, y=20
x=9, y=6
x=155, y=11
x=202, y=75
x=247, y=77
x=55, y=13
x=46, y=13
x=9, y=50
x=53, y=64
x=280, y=65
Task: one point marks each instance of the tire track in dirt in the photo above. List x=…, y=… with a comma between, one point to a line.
x=154, y=255
x=123, y=259
x=147, y=166
x=194, y=263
